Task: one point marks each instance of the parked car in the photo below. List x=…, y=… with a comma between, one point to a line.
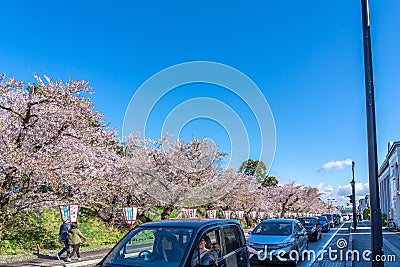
x=277, y=241
x=313, y=227
x=330, y=220
x=337, y=219
x=346, y=217
x=174, y=243
x=325, y=225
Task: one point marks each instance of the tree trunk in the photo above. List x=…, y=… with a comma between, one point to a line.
x=167, y=210
x=3, y=220
x=1, y=239
x=248, y=219
x=113, y=214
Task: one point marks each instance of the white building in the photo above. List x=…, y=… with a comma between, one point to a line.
x=389, y=187
x=363, y=203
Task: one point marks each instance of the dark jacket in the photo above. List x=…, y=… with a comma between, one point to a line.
x=64, y=229
x=174, y=255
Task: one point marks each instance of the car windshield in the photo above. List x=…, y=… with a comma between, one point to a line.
x=151, y=246
x=273, y=228
x=307, y=221
x=323, y=219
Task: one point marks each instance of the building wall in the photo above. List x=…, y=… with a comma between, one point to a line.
x=384, y=192
x=389, y=188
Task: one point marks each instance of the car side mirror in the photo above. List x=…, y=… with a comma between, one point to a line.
x=250, y=232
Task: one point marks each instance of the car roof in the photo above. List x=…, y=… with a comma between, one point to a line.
x=280, y=220
x=194, y=223
x=309, y=217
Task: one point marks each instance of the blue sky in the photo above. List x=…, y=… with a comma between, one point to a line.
x=306, y=57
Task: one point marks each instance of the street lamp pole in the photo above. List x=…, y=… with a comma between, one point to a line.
x=376, y=213
x=330, y=201
x=353, y=197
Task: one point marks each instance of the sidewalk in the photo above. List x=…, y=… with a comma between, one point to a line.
x=361, y=242
x=89, y=258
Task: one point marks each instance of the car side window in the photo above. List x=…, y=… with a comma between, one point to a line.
x=212, y=238
x=232, y=238
x=195, y=259
x=297, y=228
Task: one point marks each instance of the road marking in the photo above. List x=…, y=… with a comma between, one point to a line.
x=392, y=247
x=313, y=260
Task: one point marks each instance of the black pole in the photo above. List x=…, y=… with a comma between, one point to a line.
x=376, y=214
x=353, y=197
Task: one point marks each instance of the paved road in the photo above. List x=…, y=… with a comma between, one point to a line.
x=359, y=240
x=89, y=258
x=319, y=250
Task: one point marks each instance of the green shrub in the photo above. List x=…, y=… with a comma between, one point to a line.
x=367, y=213
x=32, y=231
x=384, y=219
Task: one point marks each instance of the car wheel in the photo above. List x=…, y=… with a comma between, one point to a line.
x=315, y=239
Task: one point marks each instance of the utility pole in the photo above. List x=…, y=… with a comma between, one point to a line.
x=353, y=198
x=376, y=213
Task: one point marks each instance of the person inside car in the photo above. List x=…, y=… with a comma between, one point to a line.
x=169, y=251
x=207, y=257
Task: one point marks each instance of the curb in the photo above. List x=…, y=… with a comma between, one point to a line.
x=349, y=263
x=80, y=263
x=90, y=258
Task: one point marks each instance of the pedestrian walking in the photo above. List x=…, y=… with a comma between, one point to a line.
x=63, y=238
x=74, y=240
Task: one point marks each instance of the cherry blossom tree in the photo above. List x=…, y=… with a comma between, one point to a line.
x=54, y=145
x=127, y=191
x=180, y=174
x=310, y=201
x=284, y=197
x=248, y=195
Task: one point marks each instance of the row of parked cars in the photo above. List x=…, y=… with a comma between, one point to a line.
x=287, y=240
x=222, y=243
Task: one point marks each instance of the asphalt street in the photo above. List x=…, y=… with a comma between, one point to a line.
x=329, y=251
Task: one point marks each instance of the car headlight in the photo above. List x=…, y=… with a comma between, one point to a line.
x=313, y=229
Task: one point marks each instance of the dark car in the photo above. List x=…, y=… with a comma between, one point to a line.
x=277, y=241
x=330, y=220
x=313, y=227
x=325, y=225
x=336, y=219
x=176, y=243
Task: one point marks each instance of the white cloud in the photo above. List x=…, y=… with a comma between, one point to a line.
x=325, y=189
x=341, y=192
x=338, y=165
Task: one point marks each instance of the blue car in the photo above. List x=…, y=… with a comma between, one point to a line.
x=313, y=227
x=277, y=241
x=330, y=220
x=325, y=227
